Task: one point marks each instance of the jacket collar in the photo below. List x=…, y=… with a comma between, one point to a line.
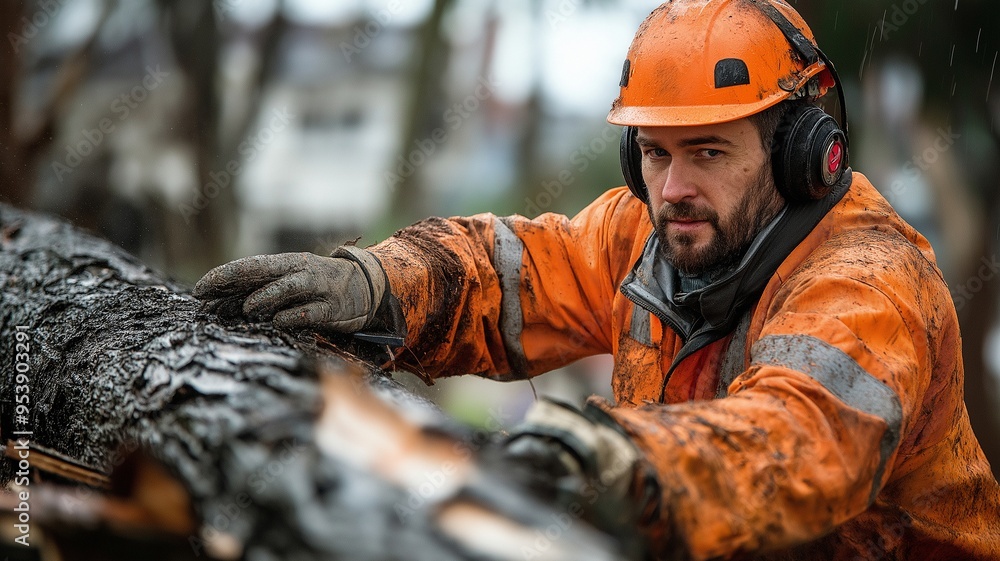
x=716, y=309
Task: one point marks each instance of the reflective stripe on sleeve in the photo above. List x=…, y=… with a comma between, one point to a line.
x=508, y=255
x=641, y=329
x=732, y=361
x=843, y=377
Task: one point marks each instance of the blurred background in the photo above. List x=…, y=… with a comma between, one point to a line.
x=192, y=132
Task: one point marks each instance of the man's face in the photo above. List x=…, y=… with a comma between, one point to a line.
x=710, y=191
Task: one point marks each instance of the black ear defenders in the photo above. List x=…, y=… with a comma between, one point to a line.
x=808, y=155
x=631, y=160
x=810, y=152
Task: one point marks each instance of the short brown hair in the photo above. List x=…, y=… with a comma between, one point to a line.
x=768, y=121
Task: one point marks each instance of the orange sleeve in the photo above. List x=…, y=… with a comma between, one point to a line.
x=809, y=433
x=509, y=297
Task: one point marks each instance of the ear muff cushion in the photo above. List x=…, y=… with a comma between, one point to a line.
x=809, y=154
x=631, y=162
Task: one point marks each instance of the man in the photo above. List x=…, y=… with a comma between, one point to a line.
x=788, y=369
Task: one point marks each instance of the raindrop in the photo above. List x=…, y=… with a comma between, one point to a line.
x=836, y=20
x=991, y=76
x=869, y=54
x=978, y=38
x=951, y=62
x=864, y=57
x=956, y=5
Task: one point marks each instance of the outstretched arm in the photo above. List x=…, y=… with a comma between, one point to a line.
x=507, y=297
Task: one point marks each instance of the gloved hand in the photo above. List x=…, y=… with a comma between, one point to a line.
x=568, y=442
x=584, y=457
x=299, y=290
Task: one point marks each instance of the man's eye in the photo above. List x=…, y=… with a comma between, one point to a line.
x=710, y=153
x=657, y=153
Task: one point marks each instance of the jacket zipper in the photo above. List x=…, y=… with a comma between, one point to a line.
x=641, y=302
x=691, y=344
x=689, y=348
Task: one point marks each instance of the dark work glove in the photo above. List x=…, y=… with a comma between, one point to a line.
x=577, y=444
x=340, y=293
x=583, y=460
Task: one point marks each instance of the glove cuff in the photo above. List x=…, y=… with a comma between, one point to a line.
x=370, y=266
x=605, y=452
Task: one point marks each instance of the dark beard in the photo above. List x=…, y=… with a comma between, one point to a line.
x=759, y=205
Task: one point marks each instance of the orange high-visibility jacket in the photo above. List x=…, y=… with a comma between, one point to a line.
x=827, y=422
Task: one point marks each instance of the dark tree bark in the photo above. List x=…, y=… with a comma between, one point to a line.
x=270, y=435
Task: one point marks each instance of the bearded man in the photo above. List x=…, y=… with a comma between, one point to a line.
x=788, y=377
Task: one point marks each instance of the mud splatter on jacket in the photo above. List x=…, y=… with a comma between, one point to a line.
x=809, y=407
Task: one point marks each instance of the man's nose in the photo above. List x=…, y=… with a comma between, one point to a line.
x=677, y=186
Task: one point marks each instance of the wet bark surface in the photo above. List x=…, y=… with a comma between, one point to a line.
x=119, y=356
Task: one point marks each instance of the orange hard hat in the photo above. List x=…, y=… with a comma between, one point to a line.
x=699, y=62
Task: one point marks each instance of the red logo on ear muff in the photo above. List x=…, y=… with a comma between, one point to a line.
x=835, y=158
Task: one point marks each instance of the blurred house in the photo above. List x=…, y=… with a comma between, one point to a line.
x=322, y=180
x=114, y=151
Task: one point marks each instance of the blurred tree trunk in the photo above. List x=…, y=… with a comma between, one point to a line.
x=15, y=183
x=194, y=35
x=977, y=320
x=22, y=143
x=13, y=186
x=529, y=168
x=973, y=31
x=423, y=115
x=194, y=32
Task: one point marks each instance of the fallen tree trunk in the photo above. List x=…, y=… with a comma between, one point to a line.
x=279, y=448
